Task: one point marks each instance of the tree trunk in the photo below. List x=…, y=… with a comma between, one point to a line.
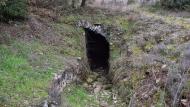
x=73, y=4
x=83, y=3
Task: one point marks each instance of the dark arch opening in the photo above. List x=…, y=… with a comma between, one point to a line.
x=97, y=49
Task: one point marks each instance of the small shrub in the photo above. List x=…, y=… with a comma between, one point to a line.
x=2, y=2
x=179, y=4
x=13, y=9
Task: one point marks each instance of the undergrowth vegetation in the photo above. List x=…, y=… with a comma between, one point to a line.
x=13, y=9
x=179, y=4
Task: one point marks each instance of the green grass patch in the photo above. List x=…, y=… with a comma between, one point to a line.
x=115, y=52
x=159, y=98
x=136, y=50
x=26, y=69
x=72, y=38
x=76, y=96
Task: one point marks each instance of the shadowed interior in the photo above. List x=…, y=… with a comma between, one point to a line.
x=97, y=49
